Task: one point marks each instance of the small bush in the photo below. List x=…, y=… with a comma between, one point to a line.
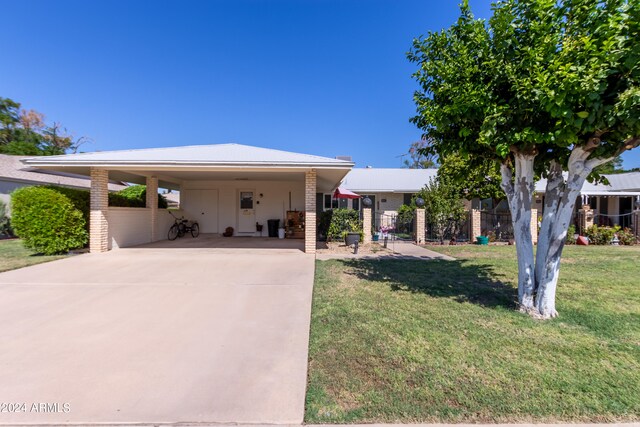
x=571, y=235
x=604, y=235
x=626, y=237
x=600, y=235
x=5, y=222
x=342, y=222
x=47, y=220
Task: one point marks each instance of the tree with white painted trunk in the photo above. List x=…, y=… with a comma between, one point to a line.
x=545, y=89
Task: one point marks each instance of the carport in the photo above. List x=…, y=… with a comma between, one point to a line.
x=223, y=185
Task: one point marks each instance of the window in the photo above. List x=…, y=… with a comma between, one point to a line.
x=246, y=200
x=355, y=203
x=330, y=202
x=406, y=198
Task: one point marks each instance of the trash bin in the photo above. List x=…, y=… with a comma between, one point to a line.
x=272, y=226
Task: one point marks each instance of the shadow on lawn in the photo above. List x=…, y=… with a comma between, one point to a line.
x=458, y=280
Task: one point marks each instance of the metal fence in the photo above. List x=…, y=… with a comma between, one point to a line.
x=399, y=227
x=496, y=225
x=457, y=231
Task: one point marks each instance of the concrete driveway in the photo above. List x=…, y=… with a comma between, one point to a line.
x=158, y=335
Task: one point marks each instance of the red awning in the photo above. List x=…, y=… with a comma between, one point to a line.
x=343, y=193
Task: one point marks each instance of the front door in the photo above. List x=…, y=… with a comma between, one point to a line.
x=246, y=212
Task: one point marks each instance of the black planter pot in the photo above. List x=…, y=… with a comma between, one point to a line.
x=351, y=238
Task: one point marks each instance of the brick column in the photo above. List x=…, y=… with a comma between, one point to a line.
x=152, y=203
x=420, y=226
x=366, y=225
x=586, y=218
x=99, y=203
x=534, y=226
x=474, y=224
x=310, y=212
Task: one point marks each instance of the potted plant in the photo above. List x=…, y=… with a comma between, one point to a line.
x=351, y=237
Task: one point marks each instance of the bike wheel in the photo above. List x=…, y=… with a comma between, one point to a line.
x=173, y=232
x=195, y=229
x=181, y=230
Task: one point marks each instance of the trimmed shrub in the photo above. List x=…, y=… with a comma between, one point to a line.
x=5, y=222
x=342, y=222
x=47, y=220
x=134, y=196
x=604, y=235
x=80, y=199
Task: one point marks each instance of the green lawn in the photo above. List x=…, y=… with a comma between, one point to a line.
x=14, y=255
x=440, y=341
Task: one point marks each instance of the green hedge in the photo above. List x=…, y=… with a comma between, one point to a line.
x=134, y=196
x=336, y=223
x=604, y=235
x=47, y=220
x=130, y=197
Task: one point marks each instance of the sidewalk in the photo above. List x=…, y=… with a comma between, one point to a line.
x=399, y=250
x=634, y=424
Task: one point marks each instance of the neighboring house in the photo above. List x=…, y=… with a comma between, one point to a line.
x=223, y=185
x=14, y=174
x=388, y=189
x=614, y=202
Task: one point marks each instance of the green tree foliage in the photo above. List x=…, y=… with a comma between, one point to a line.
x=542, y=76
x=472, y=179
x=444, y=210
x=418, y=159
x=613, y=167
x=24, y=132
x=47, y=221
x=541, y=88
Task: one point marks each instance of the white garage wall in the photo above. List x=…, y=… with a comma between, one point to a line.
x=165, y=221
x=132, y=226
x=128, y=226
x=275, y=199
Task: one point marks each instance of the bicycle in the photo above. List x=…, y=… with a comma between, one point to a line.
x=181, y=227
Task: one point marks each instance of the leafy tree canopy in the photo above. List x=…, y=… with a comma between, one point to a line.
x=541, y=76
x=471, y=179
x=24, y=132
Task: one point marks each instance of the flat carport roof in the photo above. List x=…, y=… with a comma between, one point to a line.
x=174, y=165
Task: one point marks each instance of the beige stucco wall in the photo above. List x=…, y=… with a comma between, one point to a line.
x=272, y=205
x=130, y=226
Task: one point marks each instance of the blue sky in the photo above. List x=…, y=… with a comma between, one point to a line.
x=326, y=77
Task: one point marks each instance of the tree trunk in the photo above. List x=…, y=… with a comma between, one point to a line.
x=556, y=227
x=520, y=195
x=560, y=200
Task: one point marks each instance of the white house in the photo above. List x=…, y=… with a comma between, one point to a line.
x=223, y=185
